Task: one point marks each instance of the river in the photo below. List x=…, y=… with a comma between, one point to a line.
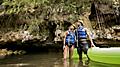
x=47, y=59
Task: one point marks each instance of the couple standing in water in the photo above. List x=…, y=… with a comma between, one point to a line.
x=76, y=38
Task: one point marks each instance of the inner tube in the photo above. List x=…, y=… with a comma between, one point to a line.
x=105, y=55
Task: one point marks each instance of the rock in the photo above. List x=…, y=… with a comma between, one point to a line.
x=15, y=52
x=58, y=32
x=10, y=52
x=109, y=36
x=58, y=37
x=2, y=56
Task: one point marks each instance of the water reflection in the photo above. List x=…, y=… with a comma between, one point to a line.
x=75, y=63
x=49, y=60
x=68, y=63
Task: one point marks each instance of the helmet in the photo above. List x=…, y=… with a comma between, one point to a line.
x=80, y=23
x=71, y=27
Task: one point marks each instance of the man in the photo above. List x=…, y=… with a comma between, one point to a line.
x=81, y=37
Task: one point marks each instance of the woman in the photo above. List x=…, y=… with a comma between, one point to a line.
x=69, y=42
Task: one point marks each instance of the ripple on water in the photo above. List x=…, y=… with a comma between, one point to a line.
x=48, y=60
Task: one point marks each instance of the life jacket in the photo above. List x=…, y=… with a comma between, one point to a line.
x=81, y=33
x=70, y=38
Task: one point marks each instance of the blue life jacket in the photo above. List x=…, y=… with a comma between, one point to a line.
x=70, y=38
x=81, y=33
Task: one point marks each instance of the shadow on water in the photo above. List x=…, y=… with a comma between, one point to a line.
x=48, y=59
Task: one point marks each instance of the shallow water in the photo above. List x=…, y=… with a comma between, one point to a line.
x=47, y=59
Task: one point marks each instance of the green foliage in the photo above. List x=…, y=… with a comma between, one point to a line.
x=34, y=13
x=34, y=27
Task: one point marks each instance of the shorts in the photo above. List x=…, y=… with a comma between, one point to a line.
x=69, y=44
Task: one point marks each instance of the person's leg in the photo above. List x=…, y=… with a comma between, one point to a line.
x=65, y=52
x=85, y=49
x=79, y=51
x=71, y=52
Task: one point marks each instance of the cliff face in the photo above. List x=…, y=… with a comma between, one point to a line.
x=41, y=18
x=105, y=21
x=106, y=14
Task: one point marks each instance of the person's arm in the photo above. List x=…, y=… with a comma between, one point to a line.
x=76, y=38
x=90, y=38
x=75, y=34
x=66, y=33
